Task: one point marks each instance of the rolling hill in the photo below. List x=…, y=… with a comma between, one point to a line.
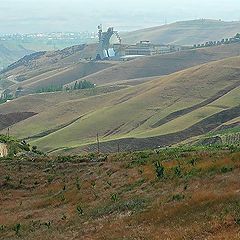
x=185, y=32
x=162, y=111
x=43, y=69
x=11, y=53
x=160, y=65
x=65, y=67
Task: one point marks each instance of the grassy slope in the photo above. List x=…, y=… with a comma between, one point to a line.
x=163, y=64
x=10, y=53
x=121, y=198
x=130, y=112
x=62, y=76
x=53, y=68
x=186, y=33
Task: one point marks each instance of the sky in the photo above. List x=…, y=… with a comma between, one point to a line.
x=30, y=16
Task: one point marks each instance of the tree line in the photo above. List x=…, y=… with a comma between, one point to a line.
x=77, y=86
x=235, y=39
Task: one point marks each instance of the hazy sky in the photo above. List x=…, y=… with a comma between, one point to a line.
x=24, y=16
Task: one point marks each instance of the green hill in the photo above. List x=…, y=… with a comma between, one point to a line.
x=162, y=111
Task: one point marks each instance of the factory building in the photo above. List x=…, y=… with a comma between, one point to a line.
x=146, y=48
x=119, y=51
x=142, y=48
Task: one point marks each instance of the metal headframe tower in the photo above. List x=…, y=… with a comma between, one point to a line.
x=104, y=42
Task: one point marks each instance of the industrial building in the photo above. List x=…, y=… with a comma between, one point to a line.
x=124, y=51
x=146, y=48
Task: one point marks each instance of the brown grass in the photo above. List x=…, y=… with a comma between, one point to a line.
x=145, y=208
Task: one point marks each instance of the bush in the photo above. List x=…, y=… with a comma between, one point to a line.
x=177, y=171
x=226, y=169
x=114, y=197
x=178, y=197
x=159, y=168
x=79, y=210
x=17, y=228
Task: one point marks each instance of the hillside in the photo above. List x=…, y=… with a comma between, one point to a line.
x=138, y=195
x=55, y=69
x=50, y=69
x=162, y=64
x=162, y=111
x=186, y=32
x=11, y=53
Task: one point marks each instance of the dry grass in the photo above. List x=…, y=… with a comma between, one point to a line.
x=129, y=112
x=186, y=32
x=121, y=198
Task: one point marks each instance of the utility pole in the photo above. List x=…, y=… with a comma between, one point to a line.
x=8, y=132
x=98, y=144
x=118, y=148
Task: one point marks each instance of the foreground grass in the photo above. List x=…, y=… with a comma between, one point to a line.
x=167, y=194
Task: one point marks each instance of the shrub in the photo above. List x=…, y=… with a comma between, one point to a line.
x=47, y=224
x=78, y=185
x=159, y=168
x=62, y=197
x=177, y=171
x=114, y=197
x=79, y=210
x=7, y=178
x=226, y=169
x=2, y=227
x=192, y=162
x=50, y=179
x=34, y=149
x=17, y=228
x=237, y=221
x=178, y=197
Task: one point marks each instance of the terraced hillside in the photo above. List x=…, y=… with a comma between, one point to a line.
x=162, y=111
x=186, y=32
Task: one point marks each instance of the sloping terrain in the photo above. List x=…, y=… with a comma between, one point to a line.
x=186, y=32
x=162, y=111
x=162, y=64
x=54, y=69
x=173, y=194
x=49, y=60
x=10, y=53
x=51, y=69
x=9, y=119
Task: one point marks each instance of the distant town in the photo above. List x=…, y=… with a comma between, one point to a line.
x=54, y=40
